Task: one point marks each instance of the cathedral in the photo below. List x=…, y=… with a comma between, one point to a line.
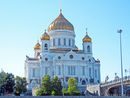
x=57, y=55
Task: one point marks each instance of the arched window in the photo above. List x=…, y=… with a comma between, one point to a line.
x=83, y=70
x=53, y=42
x=90, y=72
x=64, y=41
x=46, y=59
x=88, y=49
x=46, y=47
x=59, y=70
x=59, y=41
x=73, y=43
x=46, y=70
x=69, y=42
x=38, y=54
x=33, y=71
x=95, y=73
x=83, y=82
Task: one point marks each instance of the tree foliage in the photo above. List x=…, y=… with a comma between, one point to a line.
x=72, y=89
x=7, y=81
x=40, y=92
x=65, y=91
x=20, y=85
x=50, y=87
x=46, y=88
x=56, y=86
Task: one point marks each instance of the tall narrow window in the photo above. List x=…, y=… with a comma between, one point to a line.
x=64, y=41
x=59, y=70
x=59, y=41
x=69, y=42
x=95, y=73
x=72, y=70
x=46, y=47
x=90, y=72
x=53, y=42
x=33, y=72
x=88, y=48
x=46, y=71
x=69, y=70
x=73, y=43
x=83, y=70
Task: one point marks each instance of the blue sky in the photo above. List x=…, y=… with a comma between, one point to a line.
x=23, y=21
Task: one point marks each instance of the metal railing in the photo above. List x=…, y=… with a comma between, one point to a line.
x=126, y=78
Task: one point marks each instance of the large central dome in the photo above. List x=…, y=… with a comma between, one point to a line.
x=60, y=23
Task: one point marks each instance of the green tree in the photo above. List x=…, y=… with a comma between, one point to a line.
x=2, y=75
x=73, y=90
x=20, y=85
x=8, y=81
x=46, y=88
x=56, y=86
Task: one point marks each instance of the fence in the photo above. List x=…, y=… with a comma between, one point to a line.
x=63, y=97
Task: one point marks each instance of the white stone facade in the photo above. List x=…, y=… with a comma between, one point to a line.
x=59, y=58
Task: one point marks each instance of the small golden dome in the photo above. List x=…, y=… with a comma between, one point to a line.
x=76, y=48
x=37, y=46
x=45, y=36
x=60, y=23
x=87, y=38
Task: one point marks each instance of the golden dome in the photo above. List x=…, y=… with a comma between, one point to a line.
x=45, y=36
x=37, y=46
x=76, y=48
x=60, y=23
x=87, y=38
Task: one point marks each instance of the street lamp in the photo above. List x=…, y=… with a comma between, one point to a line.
x=63, y=78
x=122, y=90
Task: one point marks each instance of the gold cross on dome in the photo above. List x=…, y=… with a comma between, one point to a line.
x=86, y=31
x=60, y=10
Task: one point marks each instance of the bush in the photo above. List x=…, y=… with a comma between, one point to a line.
x=65, y=92
x=77, y=93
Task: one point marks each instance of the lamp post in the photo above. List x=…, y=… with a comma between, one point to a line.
x=122, y=90
x=63, y=78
